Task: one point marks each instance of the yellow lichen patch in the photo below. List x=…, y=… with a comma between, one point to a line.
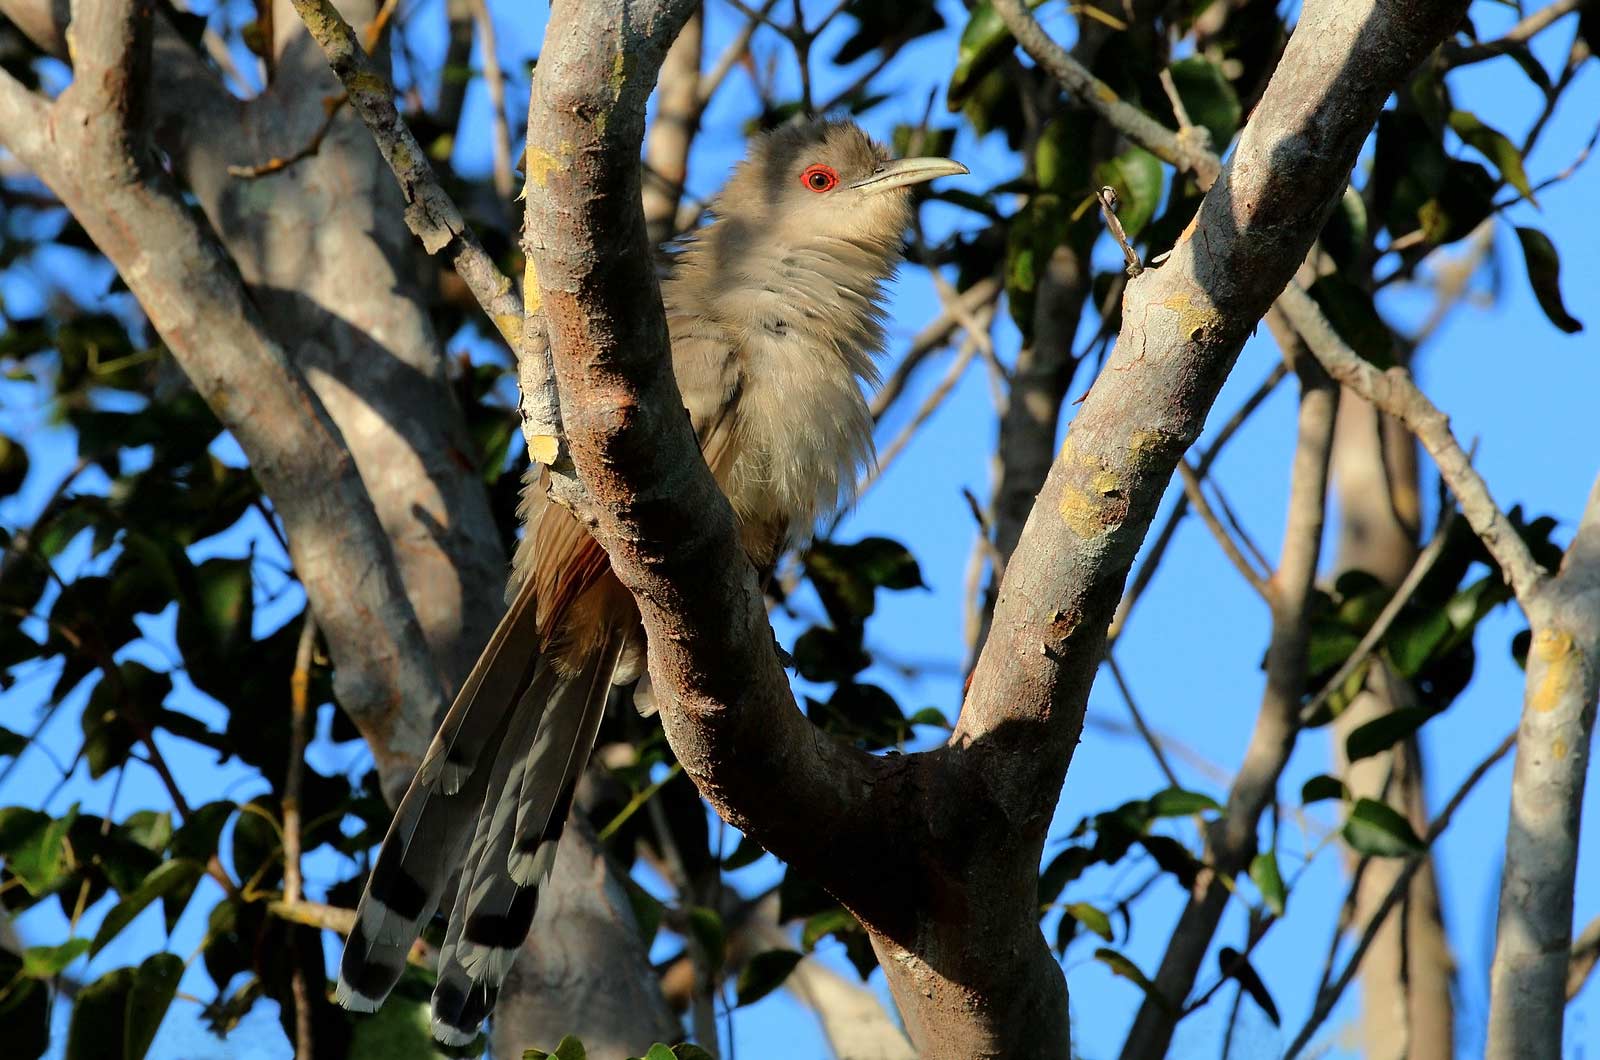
x=1193, y=319
x=619, y=73
x=1106, y=483
x=509, y=325
x=1558, y=750
x=1105, y=93
x=532, y=299
x=1081, y=513
x=1560, y=679
x=366, y=83
x=544, y=448
x=540, y=162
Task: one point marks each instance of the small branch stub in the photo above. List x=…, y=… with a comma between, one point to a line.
x=1108, y=210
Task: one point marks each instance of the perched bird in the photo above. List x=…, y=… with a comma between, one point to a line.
x=775, y=312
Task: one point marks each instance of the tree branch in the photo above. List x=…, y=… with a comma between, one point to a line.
x=194, y=298
x=1528, y=978
x=430, y=213
x=1188, y=153
x=1329, y=995
x=1394, y=392
x=1231, y=840
x=972, y=978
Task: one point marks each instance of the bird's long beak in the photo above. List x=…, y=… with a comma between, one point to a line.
x=903, y=171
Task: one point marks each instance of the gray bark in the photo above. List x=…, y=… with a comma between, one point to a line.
x=936, y=853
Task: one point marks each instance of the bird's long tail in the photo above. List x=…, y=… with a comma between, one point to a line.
x=507, y=756
x=513, y=847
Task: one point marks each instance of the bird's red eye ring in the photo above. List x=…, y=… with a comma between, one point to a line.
x=819, y=178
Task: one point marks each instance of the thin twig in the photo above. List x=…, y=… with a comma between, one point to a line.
x=430, y=212
x=1327, y=997
x=1585, y=954
x=1158, y=547
x=1230, y=548
x=934, y=336
x=494, y=82
x=1386, y=619
x=1108, y=209
x=1453, y=55
x=1394, y=392
x=1180, y=151
x=997, y=562
x=331, y=105
x=1139, y=722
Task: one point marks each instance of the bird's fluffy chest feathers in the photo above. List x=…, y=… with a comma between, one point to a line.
x=803, y=324
x=802, y=431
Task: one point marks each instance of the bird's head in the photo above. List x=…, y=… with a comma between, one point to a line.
x=828, y=179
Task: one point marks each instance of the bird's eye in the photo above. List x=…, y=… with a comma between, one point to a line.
x=819, y=178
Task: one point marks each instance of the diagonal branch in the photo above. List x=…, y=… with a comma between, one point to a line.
x=430, y=212
x=83, y=148
x=1394, y=392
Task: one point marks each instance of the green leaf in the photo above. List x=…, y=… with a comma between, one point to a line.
x=118, y=1014
x=705, y=927
x=46, y=962
x=35, y=849
x=1383, y=732
x=1377, y=829
x=647, y=910
x=1354, y=316
x=827, y=655
x=153, y=990
x=689, y=1051
x=1264, y=874
x=748, y=852
x=764, y=973
x=659, y=1052
x=986, y=33
x=13, y=466
x=1125, y=968
x=1176, y=802
x=1137, y=176
x=170, y=877
x=24, y=1010
x=1494, y=146
x=825, y=923
x=11, y=743
x=1091, y=918
x=1544, y=272
x=197, y=837
x=1209, y=97
x=1322, y=787
x=1236, y=966
x=569, y=1049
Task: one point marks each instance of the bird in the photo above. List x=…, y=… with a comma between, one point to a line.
x=775, y=311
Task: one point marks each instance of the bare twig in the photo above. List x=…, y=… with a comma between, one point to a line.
x=332, y=105
x=1394, y=392
x=1328, y=996
x=1184, y=152
x=494, y=82
x=1153, y=555
x=933, y=336
x=1453, y=54
x=1108, y=210
x=1385, y=620
x=430, y=213
x=1197, y=500
x=1585, y=954
x=1139, y=722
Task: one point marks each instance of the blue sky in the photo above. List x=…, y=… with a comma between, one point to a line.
x=1522, y=390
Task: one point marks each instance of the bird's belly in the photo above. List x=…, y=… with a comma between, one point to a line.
x=803, y=434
